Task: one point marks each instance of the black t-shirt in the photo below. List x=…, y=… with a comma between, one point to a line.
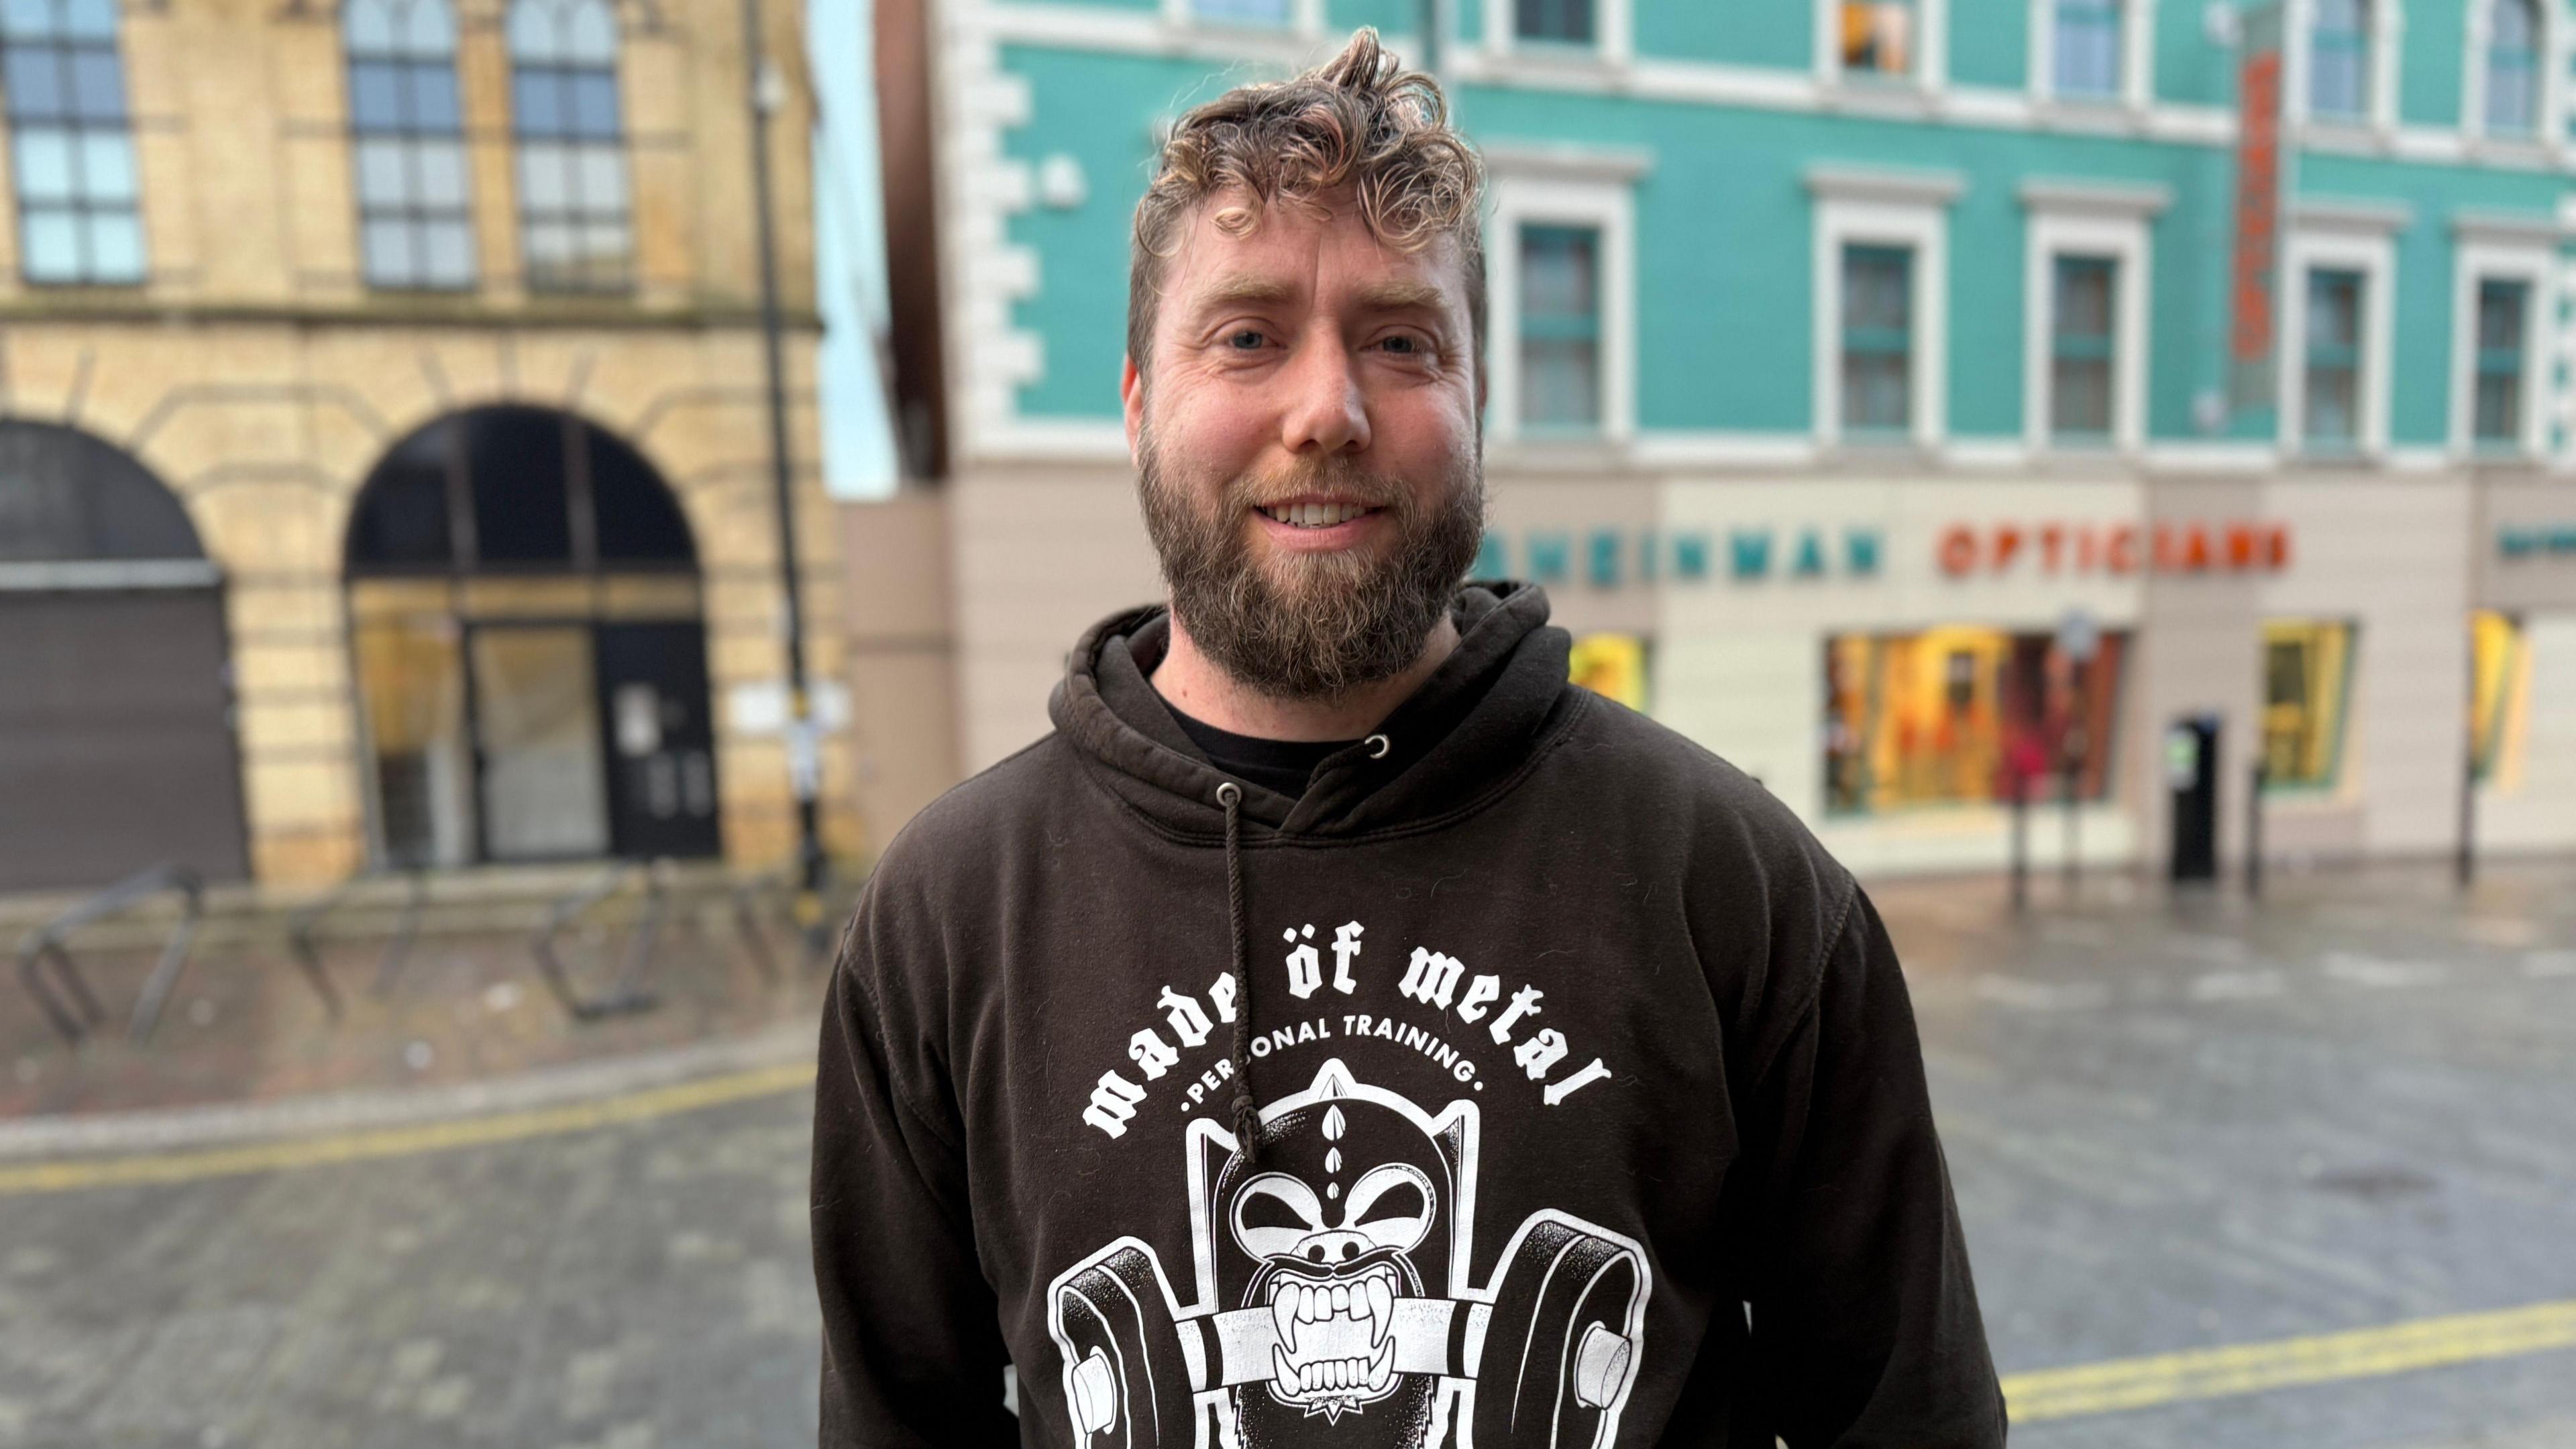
x=1281, y=765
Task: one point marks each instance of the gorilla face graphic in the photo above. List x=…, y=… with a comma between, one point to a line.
x=1354, y=1205
x=1332, y=1299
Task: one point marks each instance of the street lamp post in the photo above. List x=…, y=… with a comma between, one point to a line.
x=804, y=751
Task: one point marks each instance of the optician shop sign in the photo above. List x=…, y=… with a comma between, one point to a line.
x=1607, y=557
x=2536, y=540
x=2058, y=548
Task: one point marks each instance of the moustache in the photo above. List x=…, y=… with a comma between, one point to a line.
x=1340, y=478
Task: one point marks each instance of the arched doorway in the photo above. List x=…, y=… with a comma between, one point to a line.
x=531, y=658
x=116, y=736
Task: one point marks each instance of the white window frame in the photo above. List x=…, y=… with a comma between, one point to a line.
x=2318, y=241
x=1931, y=72
x=1884, y=208
x=2088, y=219
x=2387, y=21
x=1559, y=186
x=1305, y=18
x=2137, y=56
x=1613, y=39
x=2550, y=118
x=2499, y=254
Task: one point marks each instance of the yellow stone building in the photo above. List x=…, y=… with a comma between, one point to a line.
x=439, y=322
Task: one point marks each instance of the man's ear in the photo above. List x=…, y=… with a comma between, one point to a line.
x=1131, y=398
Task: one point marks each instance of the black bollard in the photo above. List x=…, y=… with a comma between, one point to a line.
x=2074, y=853
x=2467, y=865
x=2254, y=832
x=2020, y=841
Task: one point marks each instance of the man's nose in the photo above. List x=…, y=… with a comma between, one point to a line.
x=1325, y=410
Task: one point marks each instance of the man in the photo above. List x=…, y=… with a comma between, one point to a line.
x=1341, y=1030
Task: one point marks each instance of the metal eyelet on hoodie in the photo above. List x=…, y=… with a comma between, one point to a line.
x=1379, y=745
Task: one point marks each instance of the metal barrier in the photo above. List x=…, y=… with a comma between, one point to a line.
x=746, y=913
x=624, y=995
x=68, y=1002
x=307, y=922
x=746, y=918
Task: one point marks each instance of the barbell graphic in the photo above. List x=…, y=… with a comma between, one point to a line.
x=1551, y=1349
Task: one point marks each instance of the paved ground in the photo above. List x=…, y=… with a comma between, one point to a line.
x=244, y=1025
x=2178, y=1124
x=2172, y=1125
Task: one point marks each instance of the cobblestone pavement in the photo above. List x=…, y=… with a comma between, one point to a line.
x=2172, y=1124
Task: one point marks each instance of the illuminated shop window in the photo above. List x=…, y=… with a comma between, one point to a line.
x=2502, y=307
x=1567, y=22
x=1611, y=665
x=2088, y=47
x=1954, y=715
x=2513, y=68
x=2501, y=661
x=2307, y=687
x=1879, y=35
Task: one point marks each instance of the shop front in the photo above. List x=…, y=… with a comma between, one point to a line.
x=2332, y=679
x=2523, y=653
x=1907, y=660
x=1898, y=660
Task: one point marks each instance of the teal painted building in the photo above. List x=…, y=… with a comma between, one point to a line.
x=1906, y=397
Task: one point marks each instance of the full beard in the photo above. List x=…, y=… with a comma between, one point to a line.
x=1310, y=626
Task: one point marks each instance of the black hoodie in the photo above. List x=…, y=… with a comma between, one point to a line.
x=1590, y=1109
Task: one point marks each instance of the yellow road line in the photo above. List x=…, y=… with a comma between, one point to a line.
x=2210, y=1373
x=74, y=1174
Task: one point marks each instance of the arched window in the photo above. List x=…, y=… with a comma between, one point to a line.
x=69, y=146
x=415, y=208
x=116, y=737
x=2339, y=61
x=526, y=623
x=2513, y=68
x=573, y=215
x=514, y=489
x=67, y=497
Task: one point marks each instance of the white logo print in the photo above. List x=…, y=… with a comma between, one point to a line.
x=1334, y=1304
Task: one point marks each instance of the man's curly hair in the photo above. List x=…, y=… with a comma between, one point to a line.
x=1359, y=121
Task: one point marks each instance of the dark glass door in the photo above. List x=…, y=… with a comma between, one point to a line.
x=2191, y=775
x=655, y=709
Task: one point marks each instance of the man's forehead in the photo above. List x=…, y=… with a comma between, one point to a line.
x=1290, y=249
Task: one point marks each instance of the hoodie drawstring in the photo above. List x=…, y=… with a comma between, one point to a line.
x=1246, y=1117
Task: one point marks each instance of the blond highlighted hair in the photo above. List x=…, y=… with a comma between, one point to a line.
x=1360, y=122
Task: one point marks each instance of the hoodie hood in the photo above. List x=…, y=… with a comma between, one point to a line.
x=1457, y=740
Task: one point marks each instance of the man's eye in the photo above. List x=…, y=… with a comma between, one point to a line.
x=1403, y=346
x=1245, y=340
